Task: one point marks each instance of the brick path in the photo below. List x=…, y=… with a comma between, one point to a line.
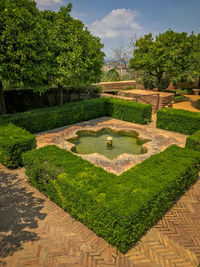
x=36, y=232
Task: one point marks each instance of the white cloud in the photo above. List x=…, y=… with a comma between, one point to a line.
x=47, y=3
x=119, y=22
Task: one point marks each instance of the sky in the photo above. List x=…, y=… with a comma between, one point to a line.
x=116, y=21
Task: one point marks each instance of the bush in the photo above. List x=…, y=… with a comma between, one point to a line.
x=13, y=142
x=21, y=100
x=49, y=118
x=128, y=111
x=179, y=98
x=193, y=141
x=163, y=83
x=118, y=208
x=198, y=103
x=110, y=76
x=129, y=88
x=45, y=119
x=178, y=120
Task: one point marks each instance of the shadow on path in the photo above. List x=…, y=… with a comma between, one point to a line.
x=19, y=209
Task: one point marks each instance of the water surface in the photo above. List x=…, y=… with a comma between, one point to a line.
x=89, y=142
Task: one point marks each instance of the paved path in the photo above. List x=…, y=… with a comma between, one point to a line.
x=189, y=104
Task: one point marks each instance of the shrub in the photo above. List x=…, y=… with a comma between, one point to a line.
x=118, y=208
x=13, y=142
x=178, y=120
x=49, y=118
x=179, y=98
x=128, y=111
x=45, y=119
x=198, y=103
x=129, y=88
x=193, y=141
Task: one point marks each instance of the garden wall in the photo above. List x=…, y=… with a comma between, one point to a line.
x=106, y=86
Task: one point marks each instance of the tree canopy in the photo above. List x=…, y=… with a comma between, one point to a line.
x=77, y=58
x=168, y=57
x=39, y=49
x=23, y=45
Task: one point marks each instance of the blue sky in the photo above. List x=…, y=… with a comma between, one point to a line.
x=116, y=21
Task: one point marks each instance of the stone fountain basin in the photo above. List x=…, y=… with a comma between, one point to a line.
x=160, y=140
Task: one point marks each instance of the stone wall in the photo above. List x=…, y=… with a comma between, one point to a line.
x=106, y=86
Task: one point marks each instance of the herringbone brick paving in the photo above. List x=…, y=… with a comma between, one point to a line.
x=49, y=237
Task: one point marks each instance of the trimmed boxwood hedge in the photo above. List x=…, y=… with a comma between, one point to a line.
x=13, y=142
x=128, y=111
x=193, y=141
x=46, y=119
x=178, y=120
x=40, y=120
x=118, y=208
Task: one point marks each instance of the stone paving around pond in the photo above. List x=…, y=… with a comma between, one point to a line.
x=159, y=140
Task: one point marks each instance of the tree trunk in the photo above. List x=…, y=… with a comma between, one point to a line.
x=199, y=82
x=2, y=100
x=60, y=89
x=159, y=77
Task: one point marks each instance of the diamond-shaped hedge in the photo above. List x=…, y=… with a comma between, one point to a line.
x=118, y=208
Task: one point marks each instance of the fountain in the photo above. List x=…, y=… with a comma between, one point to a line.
x=107, y=142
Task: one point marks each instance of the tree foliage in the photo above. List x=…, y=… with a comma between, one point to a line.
x=23, y=49
x=111, y=76
x=38, y=49
x=23, y=43
x=168, y=57
x=76, y=54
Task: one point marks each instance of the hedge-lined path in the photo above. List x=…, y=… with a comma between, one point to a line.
x=189, y=104
x=36, y=232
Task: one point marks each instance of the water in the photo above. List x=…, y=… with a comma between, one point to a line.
x=89, y=142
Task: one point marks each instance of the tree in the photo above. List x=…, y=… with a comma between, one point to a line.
x=76, y=56
x=112, y=75
x=194, y=68
x=23, y=46
x=165, y=58
x=123, y=54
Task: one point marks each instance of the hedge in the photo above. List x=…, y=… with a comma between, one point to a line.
x=45, y=119
x=118, y=208
x=21, y=100
x=128, y=110
x=178, y=120
x=198, y=103
x=49, y=118
x=13, y=142
x=193, y=141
